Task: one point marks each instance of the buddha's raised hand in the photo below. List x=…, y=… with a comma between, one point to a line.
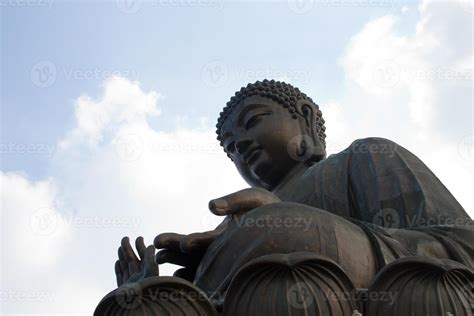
x=185, y=250
x=188, y=250
x=129, y=268
x=242, y=201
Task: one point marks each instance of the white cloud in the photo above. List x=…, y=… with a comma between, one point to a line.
x=113, y=175
x=415, y=89
x=123, y=103
x=38, y=231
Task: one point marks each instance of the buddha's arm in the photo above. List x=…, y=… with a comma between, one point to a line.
x=386, y=179
x=187, y=250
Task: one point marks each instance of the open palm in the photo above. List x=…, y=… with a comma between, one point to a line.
x=129, y=268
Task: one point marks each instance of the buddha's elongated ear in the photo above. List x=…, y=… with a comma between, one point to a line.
x=308, y=115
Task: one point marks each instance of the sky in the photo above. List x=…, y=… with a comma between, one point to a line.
x=108, y=112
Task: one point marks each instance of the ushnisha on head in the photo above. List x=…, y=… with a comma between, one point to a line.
x=270, y=128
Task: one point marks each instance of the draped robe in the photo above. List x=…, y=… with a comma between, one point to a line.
x=374, y=199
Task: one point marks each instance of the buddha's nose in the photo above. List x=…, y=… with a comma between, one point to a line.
x=242, y=145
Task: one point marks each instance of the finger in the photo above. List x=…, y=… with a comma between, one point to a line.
x=168, y=240
x=169, y=256
x=123, y=265
x=118, y=273
x=197, y=243
x=185, y=273
x=130, y=256
x=140, y=245
x=150, y=267
x=242, y=201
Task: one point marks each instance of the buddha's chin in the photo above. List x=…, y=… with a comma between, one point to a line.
x=261, y=170
x=258, y=167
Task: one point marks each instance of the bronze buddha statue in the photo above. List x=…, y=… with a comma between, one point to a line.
x=314, y=235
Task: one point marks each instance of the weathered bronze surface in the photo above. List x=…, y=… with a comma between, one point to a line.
x=368, y=231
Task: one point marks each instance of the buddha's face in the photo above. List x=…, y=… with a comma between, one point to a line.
x=258, y=135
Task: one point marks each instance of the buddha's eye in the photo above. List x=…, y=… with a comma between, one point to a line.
x=254, y=120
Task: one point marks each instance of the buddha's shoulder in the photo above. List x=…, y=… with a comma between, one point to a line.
x=369, y=145
x=371, y=141
x=361, y=148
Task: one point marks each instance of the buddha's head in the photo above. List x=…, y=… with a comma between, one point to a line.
x=268, y=129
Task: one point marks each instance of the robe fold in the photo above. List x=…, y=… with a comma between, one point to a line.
x=365, y=207
x=391, y=194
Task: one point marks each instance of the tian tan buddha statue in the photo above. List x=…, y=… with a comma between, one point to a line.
x=368, y=231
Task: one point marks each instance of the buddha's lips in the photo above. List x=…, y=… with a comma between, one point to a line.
x=251, y=154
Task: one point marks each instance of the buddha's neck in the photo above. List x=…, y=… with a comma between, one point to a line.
x=295, y=172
